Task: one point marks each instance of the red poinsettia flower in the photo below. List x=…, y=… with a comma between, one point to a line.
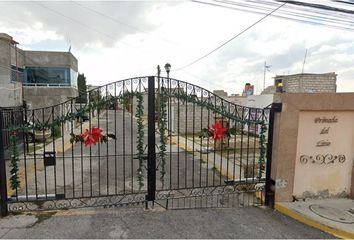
x=91, y=137
x=217, y=130
x=96, y=133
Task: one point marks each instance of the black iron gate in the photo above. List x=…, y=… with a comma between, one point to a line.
x=135, y=141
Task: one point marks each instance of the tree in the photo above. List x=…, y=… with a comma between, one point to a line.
x=82, y=88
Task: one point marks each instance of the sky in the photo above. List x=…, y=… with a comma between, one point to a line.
x=115, y=40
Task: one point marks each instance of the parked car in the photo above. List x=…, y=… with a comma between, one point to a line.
x=37, y=135
x=85, y=118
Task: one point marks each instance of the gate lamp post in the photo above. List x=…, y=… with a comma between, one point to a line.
x=157, y=107
x=168, y=68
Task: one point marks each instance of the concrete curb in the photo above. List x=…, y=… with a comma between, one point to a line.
x=310, y=222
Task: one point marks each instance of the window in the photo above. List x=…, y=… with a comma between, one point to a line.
x=47, y=76
x=16, y=74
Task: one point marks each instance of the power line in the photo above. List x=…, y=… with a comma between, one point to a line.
x=223, y=44
x=293, y=10
x=337, y=21
x=345, y=2
x=319, y=6
x=305, y=8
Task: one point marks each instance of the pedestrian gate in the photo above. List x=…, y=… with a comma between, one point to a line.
x=145, y=140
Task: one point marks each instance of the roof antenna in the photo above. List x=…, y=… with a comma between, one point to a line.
x=303, y=64
x=301, y=87
x=69, y=42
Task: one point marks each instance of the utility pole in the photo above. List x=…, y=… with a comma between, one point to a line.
x=266, y=68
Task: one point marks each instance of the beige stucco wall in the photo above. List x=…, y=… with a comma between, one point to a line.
x=17, y=57
x=352, y=186
x=10, y=92
x=292, y=138
x=329, y=171
x=50, y=59
x=39, y=97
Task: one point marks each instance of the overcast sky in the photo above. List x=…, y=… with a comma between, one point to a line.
x=117, y=40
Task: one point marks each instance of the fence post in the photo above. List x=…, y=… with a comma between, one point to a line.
x=3, y=181
x=270, y=183
x=151, y=161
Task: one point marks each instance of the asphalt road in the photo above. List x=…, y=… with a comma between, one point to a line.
x=111, y=168
x=249, y=222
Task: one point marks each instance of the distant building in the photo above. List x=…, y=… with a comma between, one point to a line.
x=11, y=94
x=304, y=83
x=248, y=90
x=91, y=87
x=41, y=78
x=269, y=90
x=220, y=93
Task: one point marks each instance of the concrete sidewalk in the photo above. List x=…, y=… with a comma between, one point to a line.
x=335, y=216
x=135, y=222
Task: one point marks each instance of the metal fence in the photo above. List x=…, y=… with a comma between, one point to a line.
x=10, y=117
x=164, y=152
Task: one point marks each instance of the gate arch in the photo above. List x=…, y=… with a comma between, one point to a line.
x=67, y=166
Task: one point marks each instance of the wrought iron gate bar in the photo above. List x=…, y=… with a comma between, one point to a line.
x=3, y=180
x=151, y=141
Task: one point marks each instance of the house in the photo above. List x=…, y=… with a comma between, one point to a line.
x=304, y=83
x=40, y=78
x=11, y=94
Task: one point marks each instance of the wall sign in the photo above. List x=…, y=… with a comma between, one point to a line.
x=325, y=130
x=334, y=119
x=324, y=154
x=323, y=143
x=322, y=159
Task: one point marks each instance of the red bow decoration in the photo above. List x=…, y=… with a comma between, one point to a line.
x=217, y=130
x=92, y=137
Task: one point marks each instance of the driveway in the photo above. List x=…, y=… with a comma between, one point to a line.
x=110, y=168
x=248, y=222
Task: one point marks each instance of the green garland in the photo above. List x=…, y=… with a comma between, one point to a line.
x=231, y=131
x=163, y=121
x=262, y=142
x=97, y=105
x=210, y=106
x=14, y=179
x=140, y=141
x=124, y=99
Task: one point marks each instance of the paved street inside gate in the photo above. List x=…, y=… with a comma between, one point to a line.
x=135, y=222
x=111, y=169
